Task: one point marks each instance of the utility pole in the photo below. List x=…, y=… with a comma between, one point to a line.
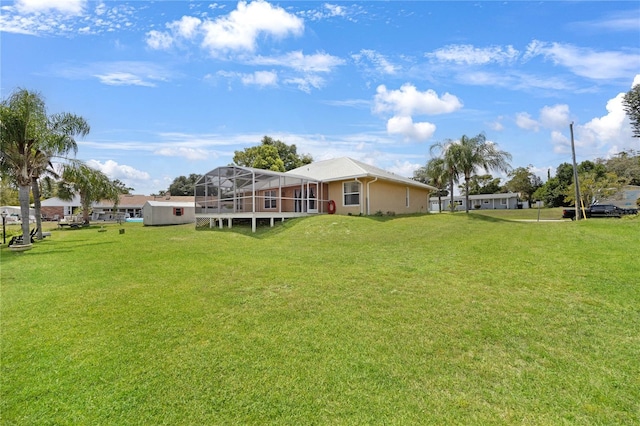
x=575, y=174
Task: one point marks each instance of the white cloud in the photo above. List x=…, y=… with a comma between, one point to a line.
x=466, y=54
x=328, y=11
x=587, y=62
x=380, y=63
x=555, y=117
x=306, y=83
x=497, y=124
x=73, y=7
x=140, y=180
x=409, y=101
x=159, y=40
x=404, y=126
x=318, y=62
x=186, y=27
x=118, y=171
x=239, y=30
x=236, y=32
x=524, y=121
x=193, y=154
x=610, y=128
x=122, y=73
x=403, y=168
x=261, y=78
x=334, y=9
x=617, y=21
x=561, y=144
x=600, y=136
x=65, y=18
x=123, y=79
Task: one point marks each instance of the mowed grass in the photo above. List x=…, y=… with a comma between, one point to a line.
x=434, y=319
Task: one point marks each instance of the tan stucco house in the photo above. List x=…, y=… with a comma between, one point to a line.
x=340, y=186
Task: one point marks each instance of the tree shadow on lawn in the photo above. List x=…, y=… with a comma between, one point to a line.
x=39, y=253
x=485, y=218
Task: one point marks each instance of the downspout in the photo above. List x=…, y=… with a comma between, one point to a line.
x=369, y=195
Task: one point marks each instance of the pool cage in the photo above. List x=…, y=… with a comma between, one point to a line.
x=235, y=192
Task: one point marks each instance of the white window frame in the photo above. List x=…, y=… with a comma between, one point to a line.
x=270, y=199
x=350, y=193
x=503, y=201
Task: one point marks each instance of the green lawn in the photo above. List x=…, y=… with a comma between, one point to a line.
x=437, y=319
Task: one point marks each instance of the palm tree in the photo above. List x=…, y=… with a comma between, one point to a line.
x=476, y=152
x=436, y=174
x=92, y=185
x=449, y=153
x=30, y=139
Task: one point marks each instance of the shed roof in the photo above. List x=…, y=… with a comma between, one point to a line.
x=170, y=204
x=347, y=168
x=137, y=201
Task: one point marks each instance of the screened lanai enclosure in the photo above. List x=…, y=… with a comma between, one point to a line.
x=233, y=192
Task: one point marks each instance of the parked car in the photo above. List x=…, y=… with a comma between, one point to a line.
x=599, y=210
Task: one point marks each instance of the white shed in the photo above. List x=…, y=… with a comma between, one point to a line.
x=168, y=213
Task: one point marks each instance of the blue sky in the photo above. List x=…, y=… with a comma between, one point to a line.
x=175, y=87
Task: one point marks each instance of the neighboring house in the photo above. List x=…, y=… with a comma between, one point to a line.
x=56, y=209
x=508, y=200
x=626, y=198
x=128, y=206
x=13, y=214
x=168, y=213
x=342, y=186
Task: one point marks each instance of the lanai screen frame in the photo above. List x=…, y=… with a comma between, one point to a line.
x=239, y=187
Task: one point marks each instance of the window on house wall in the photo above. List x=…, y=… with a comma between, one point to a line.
x=485, y=201
x=406, y=201
x=504, y=201
x=351, y=192
x=269, y=199
x=178, y=211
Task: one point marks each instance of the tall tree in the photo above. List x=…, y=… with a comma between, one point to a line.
x=183, y=185
x=475, y=153
x=625, y=164
x=122, y=187
x=30, y=138
x=482, y=184
x=552, y=192
x=631, y=104
x=92, y=185
x=524, y=181
x=271, y=155
x=594, y=187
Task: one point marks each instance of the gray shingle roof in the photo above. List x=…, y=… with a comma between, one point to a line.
x=347, y=168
